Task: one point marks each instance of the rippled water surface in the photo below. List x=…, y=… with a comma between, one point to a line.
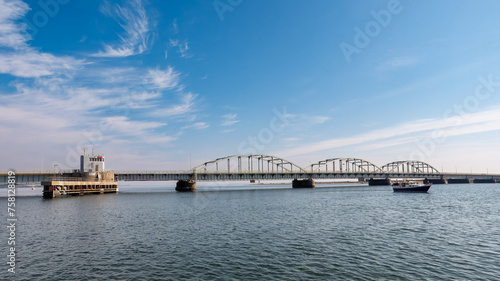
x=329, y=233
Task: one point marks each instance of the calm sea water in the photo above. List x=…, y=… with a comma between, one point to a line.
x=329, y=233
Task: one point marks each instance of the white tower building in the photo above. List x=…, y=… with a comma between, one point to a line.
x=92, y=164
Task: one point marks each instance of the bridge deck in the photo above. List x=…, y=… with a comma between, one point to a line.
x=38, y=177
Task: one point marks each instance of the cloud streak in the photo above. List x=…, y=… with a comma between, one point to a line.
x=399, y=62
x=64, y=102
x=18, y=58
x=31, y=64
x=163, y=79
x=12, y=35
x=197, y=126
x=229, y=119
x=133, y=19
x=186, y=106
x=453, y=126
x=183, y=47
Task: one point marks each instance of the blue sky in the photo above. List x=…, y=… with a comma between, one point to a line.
x=153, y=84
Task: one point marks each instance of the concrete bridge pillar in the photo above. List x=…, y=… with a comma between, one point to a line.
x=185, y=186
x=306, y=183
x=484, y=181
x=385, y=181
x=436, y=181
x=459, y=180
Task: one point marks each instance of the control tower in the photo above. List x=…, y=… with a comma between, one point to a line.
x=92, y=164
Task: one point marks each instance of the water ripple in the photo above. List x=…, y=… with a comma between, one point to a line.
x=326, y=234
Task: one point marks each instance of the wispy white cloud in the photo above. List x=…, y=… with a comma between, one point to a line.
x=453, y=126
x=18, y=58
x=140, y=130
x=379, y=144
x=229, y=119
x=12, y=34
x=173, y=42
x=60, y=97
x=68, y=116
x=17, y=116
x=133, y=19
x=399, y=62
x=183, y=50
x=175, y=26
x=163, y=79
x=159, y=139
x=104, y=74
x=32, y=64
x=186, y=106
x=316, y=119
x=291, y=139
x=67, y=102
x=183, y=47
x=126, y=126
x=480, y=127
x=197, y=126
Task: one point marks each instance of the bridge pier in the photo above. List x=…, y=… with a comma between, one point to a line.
x=185, y=186
x=484, y=181
x=458, y=180
x=436, y=181
x=306, y=183
x=385, y=181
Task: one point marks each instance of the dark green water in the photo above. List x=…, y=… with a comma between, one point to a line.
x=329, y=233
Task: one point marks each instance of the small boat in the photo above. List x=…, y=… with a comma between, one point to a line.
x=410, y=186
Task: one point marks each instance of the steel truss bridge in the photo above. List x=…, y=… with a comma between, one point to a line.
x=268, y=167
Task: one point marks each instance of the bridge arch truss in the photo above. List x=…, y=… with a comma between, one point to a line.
x=409, y=166
x=349, y=165
x=249, y=163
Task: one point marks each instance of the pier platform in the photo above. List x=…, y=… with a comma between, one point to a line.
x=80, y=184
x=54, y=188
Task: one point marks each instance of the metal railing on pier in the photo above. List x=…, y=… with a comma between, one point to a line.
x=60, y=178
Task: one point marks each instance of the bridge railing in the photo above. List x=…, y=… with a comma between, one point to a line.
x=56, y=178
x=189, y=172
x=156, y=172
x=31, y=172
x=37, y=172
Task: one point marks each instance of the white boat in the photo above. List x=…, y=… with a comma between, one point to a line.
x=410, y=186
